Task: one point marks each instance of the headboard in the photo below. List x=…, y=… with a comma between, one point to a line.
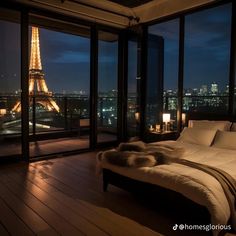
x=207, y=116
x=211, y=116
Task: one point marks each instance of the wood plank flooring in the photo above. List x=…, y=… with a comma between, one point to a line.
x=51, y=146
x=63, y=196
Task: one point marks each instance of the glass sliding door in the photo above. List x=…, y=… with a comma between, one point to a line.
x=169, y=31
x=154, y=92
x=10, y=83
x=107, y=87
x=133, y=89
x=59, y=89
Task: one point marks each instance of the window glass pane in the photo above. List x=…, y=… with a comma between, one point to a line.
x=10, y=83
x=169, y=31
x=133, y=109
x=206, y=61
x=154, y=92
x=59, y=87
x=107, y=86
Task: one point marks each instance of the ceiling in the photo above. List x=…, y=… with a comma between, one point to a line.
x=130, y=3
x=117, y=13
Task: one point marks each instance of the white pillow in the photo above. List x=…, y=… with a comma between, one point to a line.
x=224, y=139
x=222, y=125
x=197, y=136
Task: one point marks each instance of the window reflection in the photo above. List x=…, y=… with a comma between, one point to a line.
x=169, y=31
x=107, y=87
x=133, y=102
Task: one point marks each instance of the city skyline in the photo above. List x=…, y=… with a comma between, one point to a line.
x=113, y=92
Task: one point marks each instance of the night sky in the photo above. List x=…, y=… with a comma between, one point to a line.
x=207, y=45
x=10, y=57
x=132, y=65
x=66, y=58
x=66, y=61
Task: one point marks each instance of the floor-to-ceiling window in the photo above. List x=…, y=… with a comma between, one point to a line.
x=59, y=88
x=169, y=31
x=10, y=83
x=107, y=87
x=206, y=54
x=207, y=60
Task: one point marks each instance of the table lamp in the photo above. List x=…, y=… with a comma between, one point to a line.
x=166, y=119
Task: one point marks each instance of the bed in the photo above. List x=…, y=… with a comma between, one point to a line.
x=216, y=149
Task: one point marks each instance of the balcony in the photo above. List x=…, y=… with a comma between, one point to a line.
x=72, y=122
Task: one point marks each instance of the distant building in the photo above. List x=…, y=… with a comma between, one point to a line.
x=203, y=90
x=227, y=89
x=195, y=91
x=214, y=88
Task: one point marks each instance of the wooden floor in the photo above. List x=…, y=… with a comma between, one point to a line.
x=51, y=146
x=63, y=196
x=45, y=147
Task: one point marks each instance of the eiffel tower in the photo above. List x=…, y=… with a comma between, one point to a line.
x=37, y=84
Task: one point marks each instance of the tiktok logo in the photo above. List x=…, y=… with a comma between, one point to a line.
x=175, y=227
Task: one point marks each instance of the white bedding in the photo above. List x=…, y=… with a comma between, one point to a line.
x=194, y=184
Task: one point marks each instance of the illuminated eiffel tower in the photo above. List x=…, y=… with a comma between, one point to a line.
x=37, y=84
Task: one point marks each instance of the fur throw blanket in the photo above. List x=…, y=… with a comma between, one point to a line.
x=139, y=154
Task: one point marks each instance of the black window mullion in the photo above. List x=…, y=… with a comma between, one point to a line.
x=232, y=73
x=180, y=73
x=93, y=86
x=25, y=84
x=122, y=87
x=142, y=44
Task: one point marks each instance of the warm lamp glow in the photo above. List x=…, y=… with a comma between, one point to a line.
x=36, y=77
x=166, y=117
x=3, y=112
x=137, y=116
x=183, y=118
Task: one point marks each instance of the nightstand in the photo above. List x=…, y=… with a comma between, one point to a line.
x=160, y=136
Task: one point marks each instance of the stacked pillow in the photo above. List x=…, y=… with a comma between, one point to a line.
x=197, y=136
x=203, y=132
x=225, y=139
x=210, y=124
